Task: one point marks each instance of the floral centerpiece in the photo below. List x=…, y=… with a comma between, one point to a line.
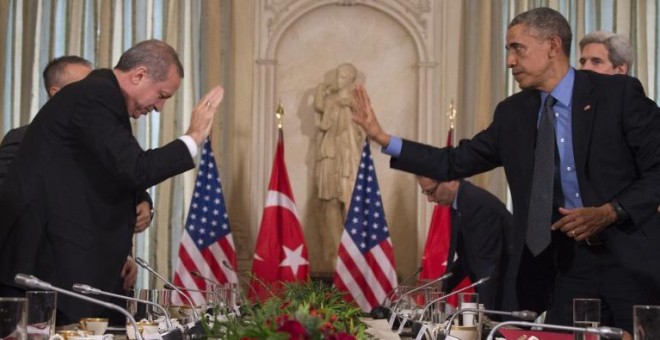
x=301, y=310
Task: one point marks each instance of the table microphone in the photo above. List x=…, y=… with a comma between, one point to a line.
x=171, y=287
x=87, y=289
x=523, y=315
x=417, y=325
x=144, y=264
x=382, y=312
x=603, y=332
x=31, y=281
x=254, y=291
x=393, y=316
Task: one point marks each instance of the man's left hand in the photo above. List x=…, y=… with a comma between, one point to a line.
x=129, y=273
x=583, y=223
x=143, y=218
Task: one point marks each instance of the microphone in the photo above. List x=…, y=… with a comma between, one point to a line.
x=171, y=287
x=254, y=291
x=382, y=312
x=523, y=315
x=440, y=279
x=603, y=332
x=479, y=282
x=393, y=318
x=31, y=281
x=144, y=264
x=211, y=281
x=417, y=325
x=87, y=289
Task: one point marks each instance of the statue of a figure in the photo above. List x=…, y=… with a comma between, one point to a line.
x=338, y=147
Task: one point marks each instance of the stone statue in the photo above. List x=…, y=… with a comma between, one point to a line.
x=338, y=147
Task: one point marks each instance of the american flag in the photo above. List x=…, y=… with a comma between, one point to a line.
x=365, y=264
x=206, y=240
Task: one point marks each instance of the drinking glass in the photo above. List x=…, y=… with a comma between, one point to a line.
x=42, y=307
x=13, y=318
x=586, y=313
x=646, y=322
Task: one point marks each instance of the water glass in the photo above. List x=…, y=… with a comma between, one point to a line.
x=13, y=318
x=646, y=322
x=586, y=313
x=469, y=300
x=42, y=308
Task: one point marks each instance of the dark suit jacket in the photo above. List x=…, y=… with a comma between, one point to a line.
x=68, y=203
x=616, y=141
x=9, y=148
x=478, y=227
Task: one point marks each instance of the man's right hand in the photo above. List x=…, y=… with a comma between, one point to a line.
x=363, y=115
x=202, y=115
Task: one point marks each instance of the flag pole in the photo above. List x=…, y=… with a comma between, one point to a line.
x=451, y=114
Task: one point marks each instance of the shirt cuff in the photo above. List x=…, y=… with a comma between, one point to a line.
x=394, y=147
x=190, y=143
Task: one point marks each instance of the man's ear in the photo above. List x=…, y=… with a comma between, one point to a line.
x=555, y=46
x=52, y=90
x=138, y=74
x=621, y=69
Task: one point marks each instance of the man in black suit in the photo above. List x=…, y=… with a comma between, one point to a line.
x=603, y=209
x=478, y=224
x=58, y=73
x=68, y=202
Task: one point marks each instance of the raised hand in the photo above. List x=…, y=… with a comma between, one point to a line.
x=203, y=113
x=364, y=116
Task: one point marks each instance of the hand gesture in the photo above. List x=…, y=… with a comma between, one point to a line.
x=363, y=115
x=203, y=113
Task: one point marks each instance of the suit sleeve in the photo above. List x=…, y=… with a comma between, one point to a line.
x=105, y=129
x=469, y=158
x=641, y=126
x=8, y=150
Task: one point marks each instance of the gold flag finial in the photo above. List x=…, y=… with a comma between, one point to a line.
x=451, y=114
x=279, y=115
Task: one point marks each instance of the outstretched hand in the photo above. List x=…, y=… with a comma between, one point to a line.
x=364, y=115
x=203, y=113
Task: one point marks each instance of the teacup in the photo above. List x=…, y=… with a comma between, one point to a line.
x=144, y=327
x=96, y=325
x=66, y=334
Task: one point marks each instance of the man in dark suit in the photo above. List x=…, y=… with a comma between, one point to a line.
x=58, y=73
x=478, y=224
x=603, y=209
x=68, y=202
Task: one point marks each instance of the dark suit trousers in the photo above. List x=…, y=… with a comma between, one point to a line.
x=594, y=272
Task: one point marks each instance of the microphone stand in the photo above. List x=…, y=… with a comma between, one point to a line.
x=524, y=315
x=33, y=282
x=254, y=291
x=383, y=312
x=144, y=264
x=223, y=300
x=87, y=289
x=604, y=332
x=481, y=281
x=440, y=279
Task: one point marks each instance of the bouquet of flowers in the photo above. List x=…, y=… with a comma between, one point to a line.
x=302, y=310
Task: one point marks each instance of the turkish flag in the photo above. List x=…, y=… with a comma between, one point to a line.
x=436, y=250
x=281, y=253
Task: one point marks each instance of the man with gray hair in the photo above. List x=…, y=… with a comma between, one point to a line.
x=68, y=202
x=606, y=53
x=581, y=153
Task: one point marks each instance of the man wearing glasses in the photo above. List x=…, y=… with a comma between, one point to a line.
x=478, y=224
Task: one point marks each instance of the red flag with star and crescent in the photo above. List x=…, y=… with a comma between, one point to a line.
x=281, y=253
x=436, y=251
